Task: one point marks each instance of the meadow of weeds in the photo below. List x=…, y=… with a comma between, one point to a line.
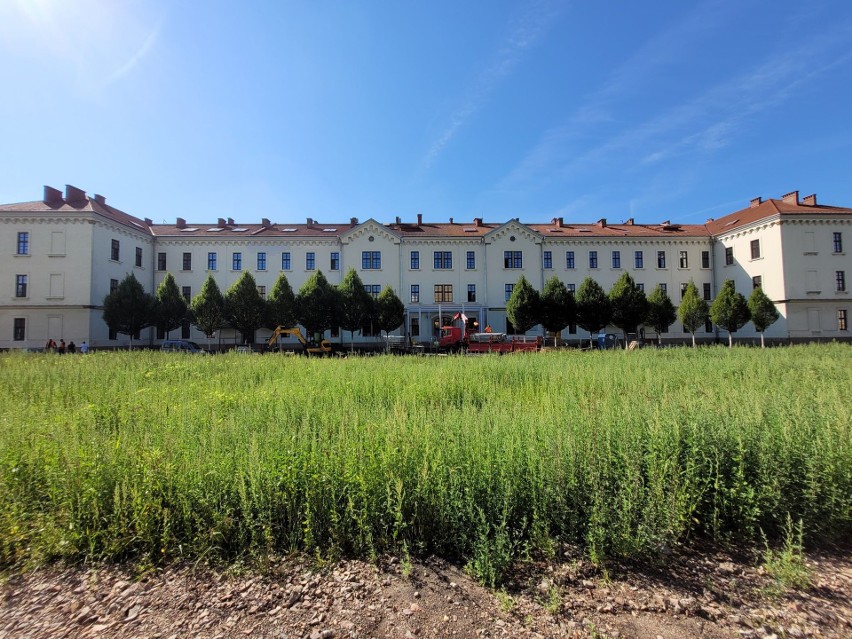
x=154, y=457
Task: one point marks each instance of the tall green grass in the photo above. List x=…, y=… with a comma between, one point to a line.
x=153, y=456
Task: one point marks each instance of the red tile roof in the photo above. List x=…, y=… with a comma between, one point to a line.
x=88, y=205
x=553, y=230
x=789, y=205
x=770, y=208
x=250, y=230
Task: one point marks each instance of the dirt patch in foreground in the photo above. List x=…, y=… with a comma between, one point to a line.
x=712, y=595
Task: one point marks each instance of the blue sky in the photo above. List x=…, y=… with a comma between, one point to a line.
x=287, y=110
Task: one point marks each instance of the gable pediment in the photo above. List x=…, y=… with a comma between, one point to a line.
x=513, y=228
x=370, y=228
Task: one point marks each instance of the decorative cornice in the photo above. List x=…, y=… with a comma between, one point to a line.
x=30, y=219
x=626, y=241
x=269, y=244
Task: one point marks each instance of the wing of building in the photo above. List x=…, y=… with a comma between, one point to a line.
x=61, y=255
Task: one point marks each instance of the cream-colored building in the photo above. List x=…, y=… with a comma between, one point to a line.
x=61, y=256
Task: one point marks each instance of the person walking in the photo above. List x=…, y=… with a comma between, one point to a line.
x=62, y=347
x=84, y=348
x=72, y=347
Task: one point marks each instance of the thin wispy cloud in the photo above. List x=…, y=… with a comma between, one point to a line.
x=527, y=30
x=137, y=56
x=706, y=123
x=558, y=144
x=717, y=117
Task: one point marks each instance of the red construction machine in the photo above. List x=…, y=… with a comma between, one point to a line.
x=452, y=340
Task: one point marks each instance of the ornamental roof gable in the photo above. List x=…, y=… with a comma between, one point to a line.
x=370, y=228
x=513, y=227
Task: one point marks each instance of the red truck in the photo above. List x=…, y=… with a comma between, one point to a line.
x=452, y=340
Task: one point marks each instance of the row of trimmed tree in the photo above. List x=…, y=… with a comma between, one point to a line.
x=318, y=306
x=627, y=307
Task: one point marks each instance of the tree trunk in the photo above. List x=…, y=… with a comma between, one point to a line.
x=730, y=339
x=693, y=340
x=762, y=345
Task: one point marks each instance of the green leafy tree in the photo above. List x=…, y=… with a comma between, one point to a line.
x=390, y=311
x=281, y=305
x=629, y=305
x=558, y=307
x=594, y=309
x=763, y=312
x=730, y=310
x=661, y=311
x=524, y=306
x=245, y=309
x=208, y=309
x=692, y=310
x=129, y=309
x=171, y=307
x=317, y=304
x=355, y=304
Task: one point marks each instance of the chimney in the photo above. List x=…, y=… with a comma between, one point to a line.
x=666, y=223
x=221, y=223
x=149, y=221
x=230, y=221
x=809, y=200
x=791, y=198
x=755, y=202
x=73, y=195
x=419, y=219
x=398, y=221
x=52, y=196
x=710, y=219
x=602, y=222
x=310, y=221
x=100, y=199
x=629, y=222
x=353, y=221
x=181, y=223
x=477, y=222
x=451, y=220
x=265, y=223
x=560, y=222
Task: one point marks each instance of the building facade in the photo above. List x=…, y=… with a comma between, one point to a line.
x=61, y=255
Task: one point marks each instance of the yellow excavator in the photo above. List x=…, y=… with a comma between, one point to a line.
x=311, y=348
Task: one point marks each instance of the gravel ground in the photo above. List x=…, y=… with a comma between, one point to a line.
x=691, y=594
